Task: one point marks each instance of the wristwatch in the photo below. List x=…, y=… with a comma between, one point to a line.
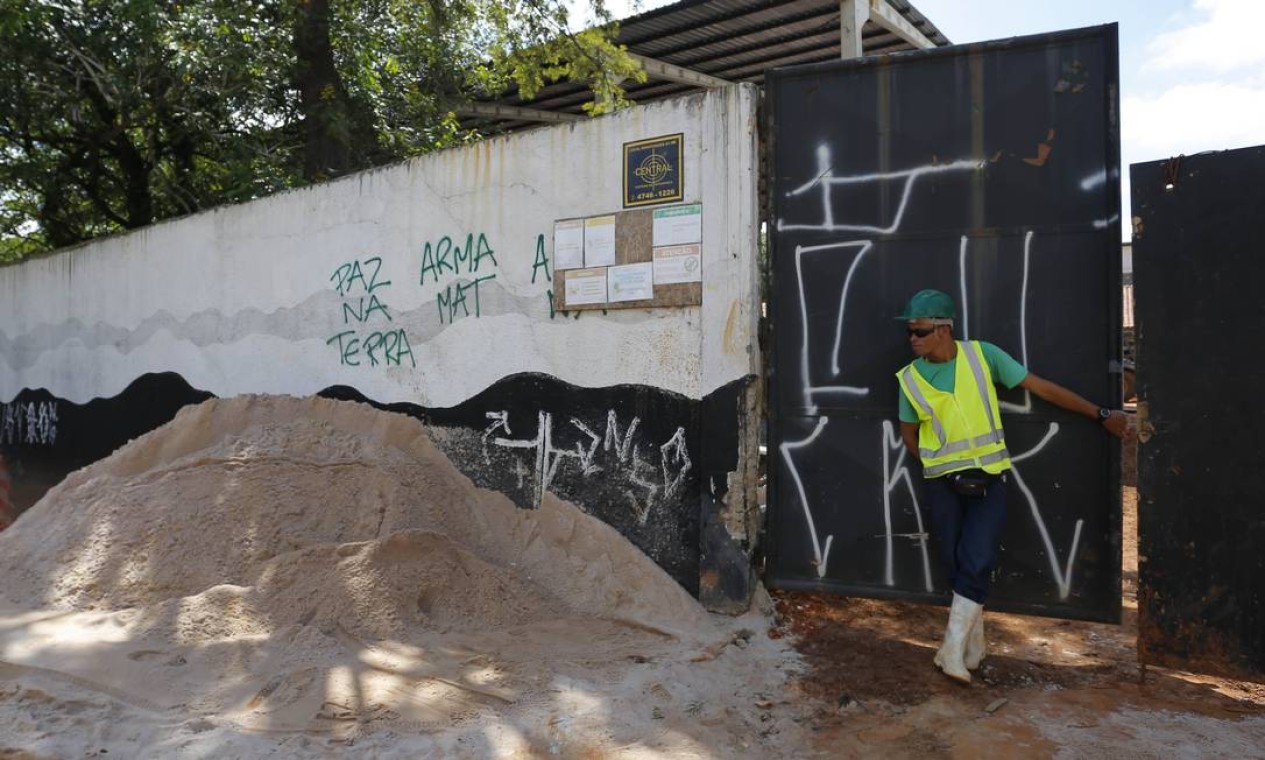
x=1103, y=413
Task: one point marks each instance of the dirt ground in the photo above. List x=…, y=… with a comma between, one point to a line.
x=1049, y=688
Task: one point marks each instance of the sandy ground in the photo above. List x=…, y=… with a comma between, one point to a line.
x=284, y=577
x=292, y=578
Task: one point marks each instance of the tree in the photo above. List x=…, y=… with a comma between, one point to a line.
x=115, y=114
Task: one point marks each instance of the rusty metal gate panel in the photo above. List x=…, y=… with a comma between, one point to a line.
x=1198, y=266
x=989, y=171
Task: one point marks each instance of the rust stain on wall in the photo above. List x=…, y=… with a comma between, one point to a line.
x=1043, y=151
x=731, y=323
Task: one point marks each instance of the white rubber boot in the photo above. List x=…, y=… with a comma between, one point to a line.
x=976, y=647
x=962, y=617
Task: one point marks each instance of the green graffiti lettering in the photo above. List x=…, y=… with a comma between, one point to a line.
x=542, y=260
x=376, y=305
x=356, y=274
x=361, y=313
x=459, y=300
x=428, y=265
x=484, y=251
x=442, y=249
x=348, y=347
x=339, y=275
x=458, y=255
x=394, y=346
x=403, y=348
x=449, y=299
x=371, y=344
x=478, y=280
x=347, y=274
x=443, y=299
x=380, y=347
x=376, y=262
x=436, y=260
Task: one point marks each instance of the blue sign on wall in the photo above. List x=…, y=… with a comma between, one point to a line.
x=652, y=171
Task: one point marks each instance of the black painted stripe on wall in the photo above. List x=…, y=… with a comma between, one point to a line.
x=44, y=438
x=634, y=456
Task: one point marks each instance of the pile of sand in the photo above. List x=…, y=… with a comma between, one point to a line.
x=329, y=500
x=311, y=567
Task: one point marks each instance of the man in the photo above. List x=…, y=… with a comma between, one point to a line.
x=950, y=421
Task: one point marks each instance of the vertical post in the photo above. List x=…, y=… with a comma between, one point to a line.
x=852, y=17
x=7, y=513
x=729, y=415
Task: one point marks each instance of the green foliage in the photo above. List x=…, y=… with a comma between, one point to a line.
x=118, y=113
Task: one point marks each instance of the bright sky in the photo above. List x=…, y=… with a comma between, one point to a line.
x=1192, y=72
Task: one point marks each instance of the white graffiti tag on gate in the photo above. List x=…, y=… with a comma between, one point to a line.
x=895, y=473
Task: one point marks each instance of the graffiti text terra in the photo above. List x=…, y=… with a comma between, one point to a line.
x=363, y=309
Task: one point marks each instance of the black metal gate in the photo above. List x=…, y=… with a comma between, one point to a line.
x=1199, y=263
x=991, y=172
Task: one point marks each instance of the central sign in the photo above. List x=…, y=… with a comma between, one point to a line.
x=652, y=171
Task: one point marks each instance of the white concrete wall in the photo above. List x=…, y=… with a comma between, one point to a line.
x=243, y=299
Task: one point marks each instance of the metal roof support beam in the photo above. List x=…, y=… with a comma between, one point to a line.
x=852, y=16
x=890, y=19
x=497, y=111
x=657, y=69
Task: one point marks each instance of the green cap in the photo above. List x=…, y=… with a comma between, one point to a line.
x=929, y=304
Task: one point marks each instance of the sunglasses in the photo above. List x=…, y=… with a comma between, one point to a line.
x=921, y=332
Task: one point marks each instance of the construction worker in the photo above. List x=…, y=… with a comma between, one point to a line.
x=950, y=421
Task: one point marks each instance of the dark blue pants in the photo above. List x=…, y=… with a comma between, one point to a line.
x=968, y=532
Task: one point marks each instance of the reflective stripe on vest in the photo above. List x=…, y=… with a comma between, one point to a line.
x=965, y=464
x=979, y=440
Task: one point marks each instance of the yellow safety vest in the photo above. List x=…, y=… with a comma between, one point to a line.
x=959, y=430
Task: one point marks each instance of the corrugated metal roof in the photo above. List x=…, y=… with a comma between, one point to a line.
x=736, y=40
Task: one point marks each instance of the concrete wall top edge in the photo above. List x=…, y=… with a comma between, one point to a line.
x=377, y=279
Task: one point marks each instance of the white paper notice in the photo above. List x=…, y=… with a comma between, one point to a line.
x=599, y=241
x=584, y=286
x=678, y=225
x=568, y=244
x=678, y=263
x=631, y=282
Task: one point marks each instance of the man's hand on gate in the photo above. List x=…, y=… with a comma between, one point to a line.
x=1117, y=424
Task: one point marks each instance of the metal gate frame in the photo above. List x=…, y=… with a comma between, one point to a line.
x=1201, y=523
x=1105, y=606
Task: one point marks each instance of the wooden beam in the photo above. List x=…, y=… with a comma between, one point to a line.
x=852, y=16
x=890, y=19
x=497, y=111
x=657, y=69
